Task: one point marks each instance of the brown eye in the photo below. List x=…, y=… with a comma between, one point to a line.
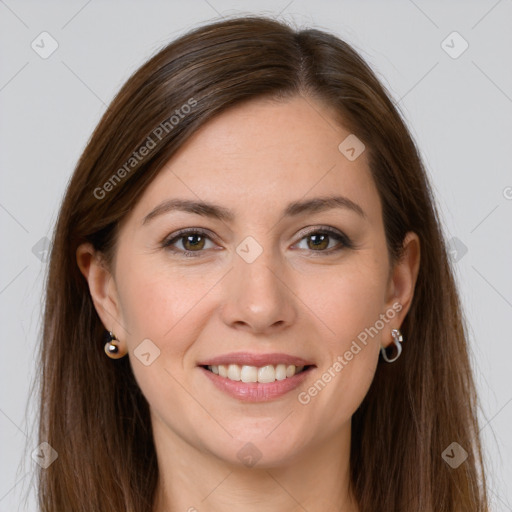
x=325, y=241
x=192, y=242
x=318, y=241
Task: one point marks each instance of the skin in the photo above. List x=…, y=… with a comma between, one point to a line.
x=294, y=298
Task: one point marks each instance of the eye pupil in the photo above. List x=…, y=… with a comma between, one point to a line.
x=318, y=240
x=197, y=244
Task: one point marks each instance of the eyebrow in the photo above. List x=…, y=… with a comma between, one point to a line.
x=205, y=209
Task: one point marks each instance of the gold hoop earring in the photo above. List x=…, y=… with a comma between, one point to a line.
x=397, y=342
x=112, y=347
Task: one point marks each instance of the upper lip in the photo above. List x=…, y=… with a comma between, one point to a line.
x=259, y=360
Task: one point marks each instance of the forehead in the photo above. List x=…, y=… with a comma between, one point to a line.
x=259, y=155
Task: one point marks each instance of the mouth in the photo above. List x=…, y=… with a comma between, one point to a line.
x=252, y=377
x=257, y=374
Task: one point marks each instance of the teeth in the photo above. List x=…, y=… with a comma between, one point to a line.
x=281, y=372
x=234, y=372
x=267, y=374
x=249, y=374
x=264, y=374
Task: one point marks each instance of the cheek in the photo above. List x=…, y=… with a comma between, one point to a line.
x=155, y=298
x=348, y=301
x=349, y=308
x=168, y=308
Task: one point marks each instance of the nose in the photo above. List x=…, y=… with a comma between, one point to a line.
x=258, y=297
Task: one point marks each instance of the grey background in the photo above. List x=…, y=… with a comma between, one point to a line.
x=459, y=110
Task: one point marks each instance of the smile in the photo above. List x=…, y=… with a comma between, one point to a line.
x=264, y=374
x=276, y=381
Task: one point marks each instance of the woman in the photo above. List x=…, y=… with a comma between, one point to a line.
x=249, y=303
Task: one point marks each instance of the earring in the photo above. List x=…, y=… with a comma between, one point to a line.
x=397, y=340
x=112, y=347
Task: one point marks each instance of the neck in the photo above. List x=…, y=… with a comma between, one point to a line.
x=192, y=480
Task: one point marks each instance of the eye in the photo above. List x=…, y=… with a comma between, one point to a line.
x=193, y=241
x=320, y=240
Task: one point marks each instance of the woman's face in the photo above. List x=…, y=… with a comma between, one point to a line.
x=288, y=261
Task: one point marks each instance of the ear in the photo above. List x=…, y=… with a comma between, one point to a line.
x=102, y=288
x=403, y=279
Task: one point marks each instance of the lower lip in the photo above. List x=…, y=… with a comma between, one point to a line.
x=257, y=391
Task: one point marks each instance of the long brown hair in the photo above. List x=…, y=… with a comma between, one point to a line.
x=93, y=412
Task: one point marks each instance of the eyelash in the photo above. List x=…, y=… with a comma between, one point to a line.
x=345, y=242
